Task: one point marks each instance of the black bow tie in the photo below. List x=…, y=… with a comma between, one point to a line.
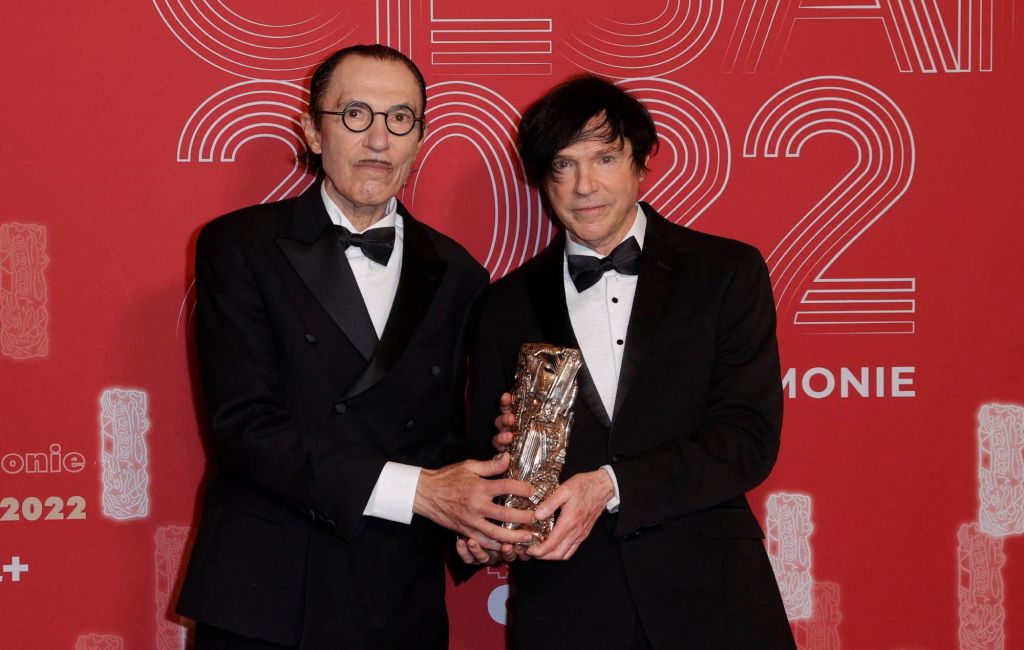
x=586, y=270
x=376, y=243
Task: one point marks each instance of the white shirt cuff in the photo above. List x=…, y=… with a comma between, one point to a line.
x=394, y=493
x=613, y=503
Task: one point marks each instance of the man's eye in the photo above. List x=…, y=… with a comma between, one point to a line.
x=559, y=165
x=354, y=112
x=607, y=159
x=399, y=117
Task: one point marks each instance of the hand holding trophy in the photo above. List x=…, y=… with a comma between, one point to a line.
x=542, y=402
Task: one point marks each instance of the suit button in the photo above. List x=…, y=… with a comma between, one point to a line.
x=616, y=458
x=340, y=408
x=410, y=424
x=312, y=516
x=435, y=370
x=310, y=338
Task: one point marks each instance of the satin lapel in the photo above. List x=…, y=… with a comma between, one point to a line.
x=422, y=272
x=547, y=295
x=313, y=250
x=652, y=290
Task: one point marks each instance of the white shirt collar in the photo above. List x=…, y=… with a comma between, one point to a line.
x=638, y=229
x=391, y=216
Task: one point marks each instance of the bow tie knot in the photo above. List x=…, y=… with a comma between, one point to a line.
x=376, y=243
x=586, y=270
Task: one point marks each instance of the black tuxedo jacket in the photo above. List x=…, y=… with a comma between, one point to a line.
x=305, y=409
x=696, y=424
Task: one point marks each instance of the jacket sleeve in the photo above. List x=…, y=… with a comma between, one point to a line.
x=735, y=446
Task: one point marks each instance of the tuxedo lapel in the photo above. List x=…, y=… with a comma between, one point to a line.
x=652, y=290
x=422, y=272
x=312, y=249
x=546, y=287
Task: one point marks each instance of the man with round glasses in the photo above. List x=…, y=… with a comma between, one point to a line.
x=358, y=117
x=331, y=338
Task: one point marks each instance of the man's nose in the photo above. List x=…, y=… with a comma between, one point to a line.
x=584, y=180
x=378, y=138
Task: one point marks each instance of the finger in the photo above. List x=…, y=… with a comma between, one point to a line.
x=555, y=500
x=498, y=535
x=463, y=550
x=506, y=514
x=565, y=549
x=505, y=402
x=521, y=554
x=508, y=552
x=549, y=549
x=478, y=552
x=505, y=422
x=492, y=467
x=482, y=539
x=510, y=486
x=546, y=549
x=502, y=441
x=572, y=550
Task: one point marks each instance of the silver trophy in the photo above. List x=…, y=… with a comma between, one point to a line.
x=542, y=402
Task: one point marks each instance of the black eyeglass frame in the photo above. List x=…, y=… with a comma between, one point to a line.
x=373, y=116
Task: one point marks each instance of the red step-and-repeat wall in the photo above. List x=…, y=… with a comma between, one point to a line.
x=871, y=150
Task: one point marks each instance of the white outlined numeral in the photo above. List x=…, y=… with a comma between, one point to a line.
x=693, y=134
x=866, y=117
x=474, y=113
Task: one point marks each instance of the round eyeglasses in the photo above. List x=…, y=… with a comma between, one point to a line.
x=358, y=117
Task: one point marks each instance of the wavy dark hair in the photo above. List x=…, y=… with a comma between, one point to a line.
x=560, y=118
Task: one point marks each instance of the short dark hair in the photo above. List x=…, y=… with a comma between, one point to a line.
x=560, y=118
x=321, y=79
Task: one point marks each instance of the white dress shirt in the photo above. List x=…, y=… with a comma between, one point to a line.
x=395, y=491
x=600, y=318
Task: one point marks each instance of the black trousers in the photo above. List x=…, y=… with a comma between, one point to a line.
x=639, y=641
x=214, y=638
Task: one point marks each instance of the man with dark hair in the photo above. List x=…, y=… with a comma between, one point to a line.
x=331, y=336
x=679, y=404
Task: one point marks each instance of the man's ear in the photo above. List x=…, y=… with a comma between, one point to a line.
x=422, y=137
x=311, y=133
x=647, y=165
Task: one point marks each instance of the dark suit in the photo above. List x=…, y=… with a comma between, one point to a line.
x=696, y=424
x=305, y=409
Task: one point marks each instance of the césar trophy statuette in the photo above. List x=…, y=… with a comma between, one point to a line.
x=542, y=403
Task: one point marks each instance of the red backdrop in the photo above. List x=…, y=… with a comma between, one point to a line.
x=872, y=151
